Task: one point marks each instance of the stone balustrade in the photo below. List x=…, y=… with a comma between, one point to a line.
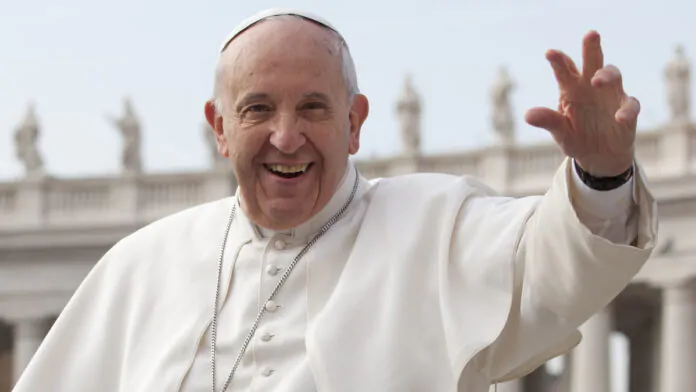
x=132, y=199
x=50, y=202
x=665, y=154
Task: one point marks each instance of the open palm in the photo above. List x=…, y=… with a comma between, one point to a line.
x=596, y=121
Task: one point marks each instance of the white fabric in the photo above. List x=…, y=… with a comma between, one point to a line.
x=426, y=283
x=606, y=213
x=250, y=21
x=280, y=364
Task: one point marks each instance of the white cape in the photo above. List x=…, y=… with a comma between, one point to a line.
x=443, y=289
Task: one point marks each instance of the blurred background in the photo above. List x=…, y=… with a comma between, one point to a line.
x=448, y=82
x=77, y=60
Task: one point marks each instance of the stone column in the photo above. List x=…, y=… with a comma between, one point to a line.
x=510, y=386
x=591, y=361
x=678, y=371
x=537, y=381
x=642, y=356
x=28, y=335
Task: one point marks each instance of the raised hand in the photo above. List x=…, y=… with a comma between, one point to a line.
x=596, y=121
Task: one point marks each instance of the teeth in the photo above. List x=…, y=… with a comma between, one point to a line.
x=289, y=169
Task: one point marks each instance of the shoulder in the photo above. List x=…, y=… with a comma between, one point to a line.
x=168, y=235
x=466, y=197
x=433, y=199
x=429, y=185
x=188, y=222
x=169, y=246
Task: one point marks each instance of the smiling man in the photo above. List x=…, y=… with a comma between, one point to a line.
x=288, y=114
x=311, y=278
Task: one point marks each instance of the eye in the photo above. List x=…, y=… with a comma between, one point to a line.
x=258, y=108
x=256, y=113
x=313, y=106
x=315, y=111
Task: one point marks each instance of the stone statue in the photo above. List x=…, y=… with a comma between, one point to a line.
x=218, y=161
x=409, y=111
x=502, y=117
x=26, y=144
x=678, y=80
x=129, y=126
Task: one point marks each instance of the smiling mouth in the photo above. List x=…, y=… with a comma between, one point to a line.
x=288, y=171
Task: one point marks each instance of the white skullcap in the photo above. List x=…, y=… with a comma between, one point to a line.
x=250, y=21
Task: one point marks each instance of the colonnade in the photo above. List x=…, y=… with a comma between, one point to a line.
x=662, y=357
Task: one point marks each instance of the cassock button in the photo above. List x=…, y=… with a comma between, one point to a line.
x=271, y=306
x=272, y=270
x=267, y=372
x=279, y=244
x=267, y=337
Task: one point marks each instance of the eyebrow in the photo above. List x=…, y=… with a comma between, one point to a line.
x=317, y=95
x=251, y=97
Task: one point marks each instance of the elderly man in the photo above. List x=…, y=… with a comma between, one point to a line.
x=312, y=278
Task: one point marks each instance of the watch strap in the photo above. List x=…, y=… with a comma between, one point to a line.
x=603, y=183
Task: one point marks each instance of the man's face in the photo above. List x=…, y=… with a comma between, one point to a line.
x=287, y=122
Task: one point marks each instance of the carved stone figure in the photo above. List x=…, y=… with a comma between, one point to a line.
x=129, y=126
x=217, y=160
x=678, y=80
x=502, y=116
x=409, y=111
x=26, y=139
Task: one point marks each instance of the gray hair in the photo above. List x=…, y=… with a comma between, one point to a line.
x=350, y=76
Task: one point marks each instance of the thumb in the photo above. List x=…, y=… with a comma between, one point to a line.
x=552, y=121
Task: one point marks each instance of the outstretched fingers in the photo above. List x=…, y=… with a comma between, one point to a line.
x=592, y=56
x=609, y=76
x=563, y=68
x=628, y=112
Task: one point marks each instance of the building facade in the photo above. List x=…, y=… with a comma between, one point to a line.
x=53, y=230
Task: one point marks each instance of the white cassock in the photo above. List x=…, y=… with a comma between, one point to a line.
x=427, y=283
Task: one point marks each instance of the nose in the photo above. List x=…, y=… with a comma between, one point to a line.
x=287, y=136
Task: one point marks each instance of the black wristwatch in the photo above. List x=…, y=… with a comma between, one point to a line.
x=603, y=183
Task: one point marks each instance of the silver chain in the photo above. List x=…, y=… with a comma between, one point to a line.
x=281, y=282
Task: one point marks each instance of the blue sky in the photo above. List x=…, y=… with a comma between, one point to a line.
x=77, y=59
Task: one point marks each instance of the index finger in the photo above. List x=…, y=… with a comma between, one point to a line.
x=563, y=68
x=592, y=56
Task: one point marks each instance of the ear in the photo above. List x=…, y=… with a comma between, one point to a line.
x=358, y=114
x=215, y=121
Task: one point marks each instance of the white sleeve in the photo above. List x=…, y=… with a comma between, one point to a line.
x=607, y=214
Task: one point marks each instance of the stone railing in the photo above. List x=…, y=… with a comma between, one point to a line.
x=73, y=197
x=468, y=164
x=8, y=197
x=648, y=147
x=157, y=195
x=668, y=154
x=535, y=161
x=51, y=202
x=375, y=168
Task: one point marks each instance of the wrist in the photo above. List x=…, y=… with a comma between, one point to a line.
x=608, y=165
x=603, y=183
